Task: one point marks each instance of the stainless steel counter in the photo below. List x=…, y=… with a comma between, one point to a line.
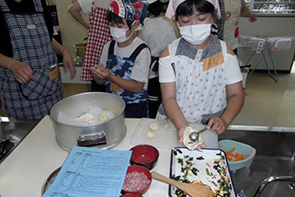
x=12, y=132
x=275, y=156
x=39, y=155
x=26, y=169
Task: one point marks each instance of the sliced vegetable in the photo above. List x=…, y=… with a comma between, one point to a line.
x=234, y=156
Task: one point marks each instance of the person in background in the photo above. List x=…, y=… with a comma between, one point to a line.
x=157, y=32
x=76, y=8
x=125, y=61
x=233, y=9
x=198, y=71
x=29, y=76
x=98, y=35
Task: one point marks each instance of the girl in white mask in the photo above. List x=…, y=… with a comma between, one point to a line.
x=198, y=71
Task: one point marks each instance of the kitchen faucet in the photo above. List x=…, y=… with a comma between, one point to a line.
x=270, y=179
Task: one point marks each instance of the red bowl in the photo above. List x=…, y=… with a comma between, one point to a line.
x=144, y=155
x=138, y=180
x=131, y=195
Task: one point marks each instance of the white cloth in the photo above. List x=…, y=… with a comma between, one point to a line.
x=140, y=70
x=86, y=5
x=173, y=4
x=199, y=91
x=157, y=33
x=102, y=3
x=232, y=9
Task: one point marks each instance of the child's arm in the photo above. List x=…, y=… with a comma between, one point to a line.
x=172, y=108
x=235, y=103
x=169, y=101
x=101, y=74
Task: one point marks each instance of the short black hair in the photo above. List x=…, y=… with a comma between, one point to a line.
x=156, y=8
x=186, y=8
x=112, y=17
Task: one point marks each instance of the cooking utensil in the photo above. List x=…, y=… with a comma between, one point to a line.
x=195, y=135
x=193, y=190
x=103, y=135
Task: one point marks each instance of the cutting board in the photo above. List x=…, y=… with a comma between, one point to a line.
x=167, y=135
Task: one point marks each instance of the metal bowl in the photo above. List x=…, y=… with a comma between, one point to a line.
x=103, y=135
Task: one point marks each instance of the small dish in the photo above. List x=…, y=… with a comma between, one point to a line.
x=144, y=155
x=137, y=180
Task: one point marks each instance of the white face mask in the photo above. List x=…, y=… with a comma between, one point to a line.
x=119, y=34
x=196, y=34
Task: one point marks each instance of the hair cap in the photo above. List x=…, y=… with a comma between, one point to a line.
x=173, y=4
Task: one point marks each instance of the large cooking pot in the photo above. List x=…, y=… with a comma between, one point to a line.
x=103, y=135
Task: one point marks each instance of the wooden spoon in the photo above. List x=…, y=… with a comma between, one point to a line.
x=193, y=190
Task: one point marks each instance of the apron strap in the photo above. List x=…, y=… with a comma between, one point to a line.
x=155, y=64
x=133, y=55
x=111, y=47
x=137, y=51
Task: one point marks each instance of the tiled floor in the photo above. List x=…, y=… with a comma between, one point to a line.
x=267, y=103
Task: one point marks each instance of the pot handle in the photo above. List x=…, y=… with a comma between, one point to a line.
x=92, y=139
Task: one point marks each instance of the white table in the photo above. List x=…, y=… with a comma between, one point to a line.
x=24, y=171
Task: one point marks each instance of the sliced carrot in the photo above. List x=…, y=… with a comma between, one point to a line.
x=232, y=150
x=234, y=156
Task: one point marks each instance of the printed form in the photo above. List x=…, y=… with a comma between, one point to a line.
x=91, y=172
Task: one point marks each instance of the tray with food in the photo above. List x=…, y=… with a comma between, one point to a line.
x=208, y=167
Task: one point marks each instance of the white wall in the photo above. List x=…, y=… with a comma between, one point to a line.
x=269, y=27
x=71, y=31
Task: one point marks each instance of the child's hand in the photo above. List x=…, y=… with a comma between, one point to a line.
x=203, y=145
x=100, y=72
x=180, y=136
x=217, y=124
x=252, y=17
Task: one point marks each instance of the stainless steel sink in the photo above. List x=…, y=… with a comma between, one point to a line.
x=12, y=132
x=274, y=160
